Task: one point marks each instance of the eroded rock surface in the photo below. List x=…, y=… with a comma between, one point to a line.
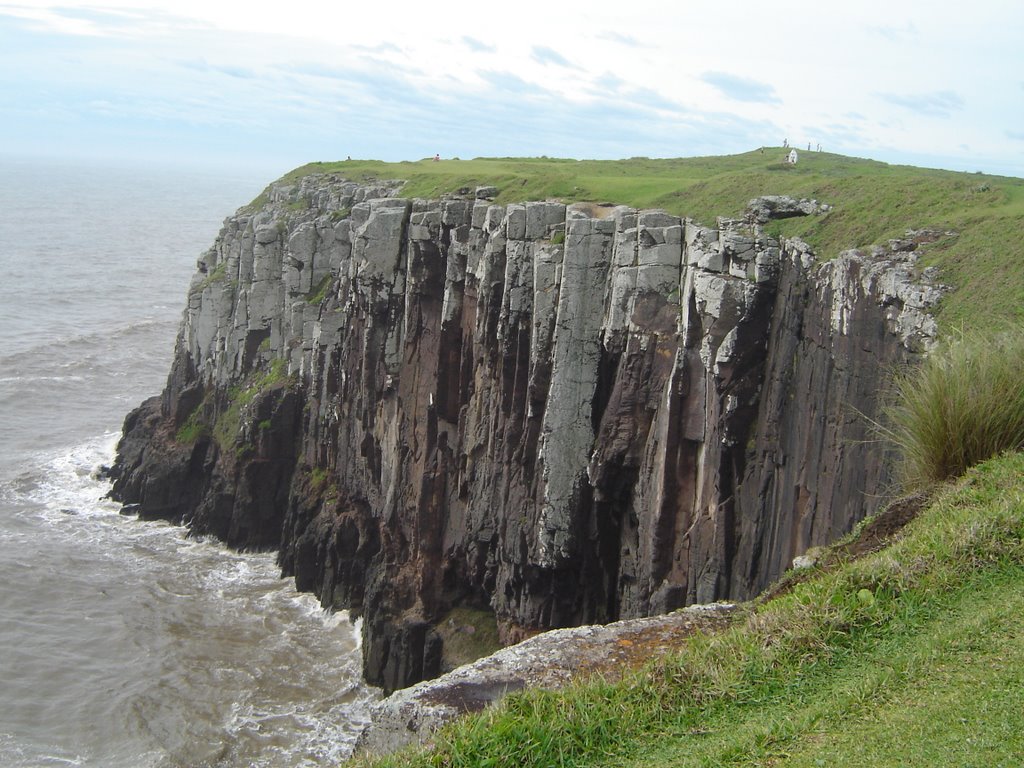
x=559, y=419
x=548, y=661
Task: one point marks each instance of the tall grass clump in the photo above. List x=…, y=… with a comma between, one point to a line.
x=965, y=404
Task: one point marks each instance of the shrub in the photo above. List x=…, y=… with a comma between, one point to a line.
x=965, y=404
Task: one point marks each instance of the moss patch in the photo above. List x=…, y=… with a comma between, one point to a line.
x=226, y=428
x=217, y=275
x=319, y=291
x=468, y=634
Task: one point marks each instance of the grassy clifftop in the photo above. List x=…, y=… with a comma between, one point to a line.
x=873, y=202
x=910, y=655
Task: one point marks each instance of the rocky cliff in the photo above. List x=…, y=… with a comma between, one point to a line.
x=552, y=415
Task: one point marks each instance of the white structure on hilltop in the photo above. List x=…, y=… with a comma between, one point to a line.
x=791, y=157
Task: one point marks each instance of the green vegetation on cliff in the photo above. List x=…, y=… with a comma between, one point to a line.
x=225, y=429
x=873, y=202
x=964, y=405
x=225, y=426
x=912, y=655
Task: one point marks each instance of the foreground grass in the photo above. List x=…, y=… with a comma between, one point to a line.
x=912, y=698
x=910, y=656
x=873, y=202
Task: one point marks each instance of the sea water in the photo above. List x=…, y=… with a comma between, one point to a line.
x=128, y=643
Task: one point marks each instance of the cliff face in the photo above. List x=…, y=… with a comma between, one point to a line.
x=525, y=410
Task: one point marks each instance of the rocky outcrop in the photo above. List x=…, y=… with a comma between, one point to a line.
x=519, y=409
x=548, y=661
x=763, y=209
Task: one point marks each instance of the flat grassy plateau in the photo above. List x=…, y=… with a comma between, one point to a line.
x=872, y=202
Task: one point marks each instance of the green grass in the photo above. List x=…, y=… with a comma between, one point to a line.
x=216, y=275
x=963, y=405
x=228, y=423
x=319, y=478
x=911, y=698
x=909, y=656
x=873, y=202
x=319, y=291
x=193, y=428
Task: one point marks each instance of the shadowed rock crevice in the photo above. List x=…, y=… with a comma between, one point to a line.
x=558, y=420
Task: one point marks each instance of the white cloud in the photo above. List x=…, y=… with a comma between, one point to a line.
x=933, y=104
x=741, y=88
x=725, y=75
x=544, y=55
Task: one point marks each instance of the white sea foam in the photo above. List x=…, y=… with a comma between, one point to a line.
x=68, y=483
x=16, y=755
x=30, y=379
x=291, y=667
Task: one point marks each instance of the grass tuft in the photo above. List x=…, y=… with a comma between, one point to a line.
x=963, y=405
x=319, y=291
x=217, y=275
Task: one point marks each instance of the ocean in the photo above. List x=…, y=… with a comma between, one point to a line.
x=128, y=643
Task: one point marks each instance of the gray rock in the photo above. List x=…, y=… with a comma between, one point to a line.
x=267, y=234
x=567, y=432
x=548, y=661
x=763, y=209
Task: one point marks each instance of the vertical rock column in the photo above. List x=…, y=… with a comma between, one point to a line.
x=567, y=433
x=839, y=329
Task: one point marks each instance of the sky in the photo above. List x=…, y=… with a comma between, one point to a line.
x=275, y=85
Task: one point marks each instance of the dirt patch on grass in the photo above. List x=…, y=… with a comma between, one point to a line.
x=877, y=532
x=880, y=530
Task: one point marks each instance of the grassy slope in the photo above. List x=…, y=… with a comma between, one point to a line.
x=911, y=656
x=873, y=202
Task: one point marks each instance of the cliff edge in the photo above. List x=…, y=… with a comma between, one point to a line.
x=547, y=417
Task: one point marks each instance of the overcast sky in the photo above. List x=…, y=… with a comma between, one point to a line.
x=273, y=85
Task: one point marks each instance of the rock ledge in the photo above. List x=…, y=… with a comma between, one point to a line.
x=548, y=661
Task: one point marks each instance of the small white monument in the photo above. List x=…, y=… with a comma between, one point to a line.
x=791, y=157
